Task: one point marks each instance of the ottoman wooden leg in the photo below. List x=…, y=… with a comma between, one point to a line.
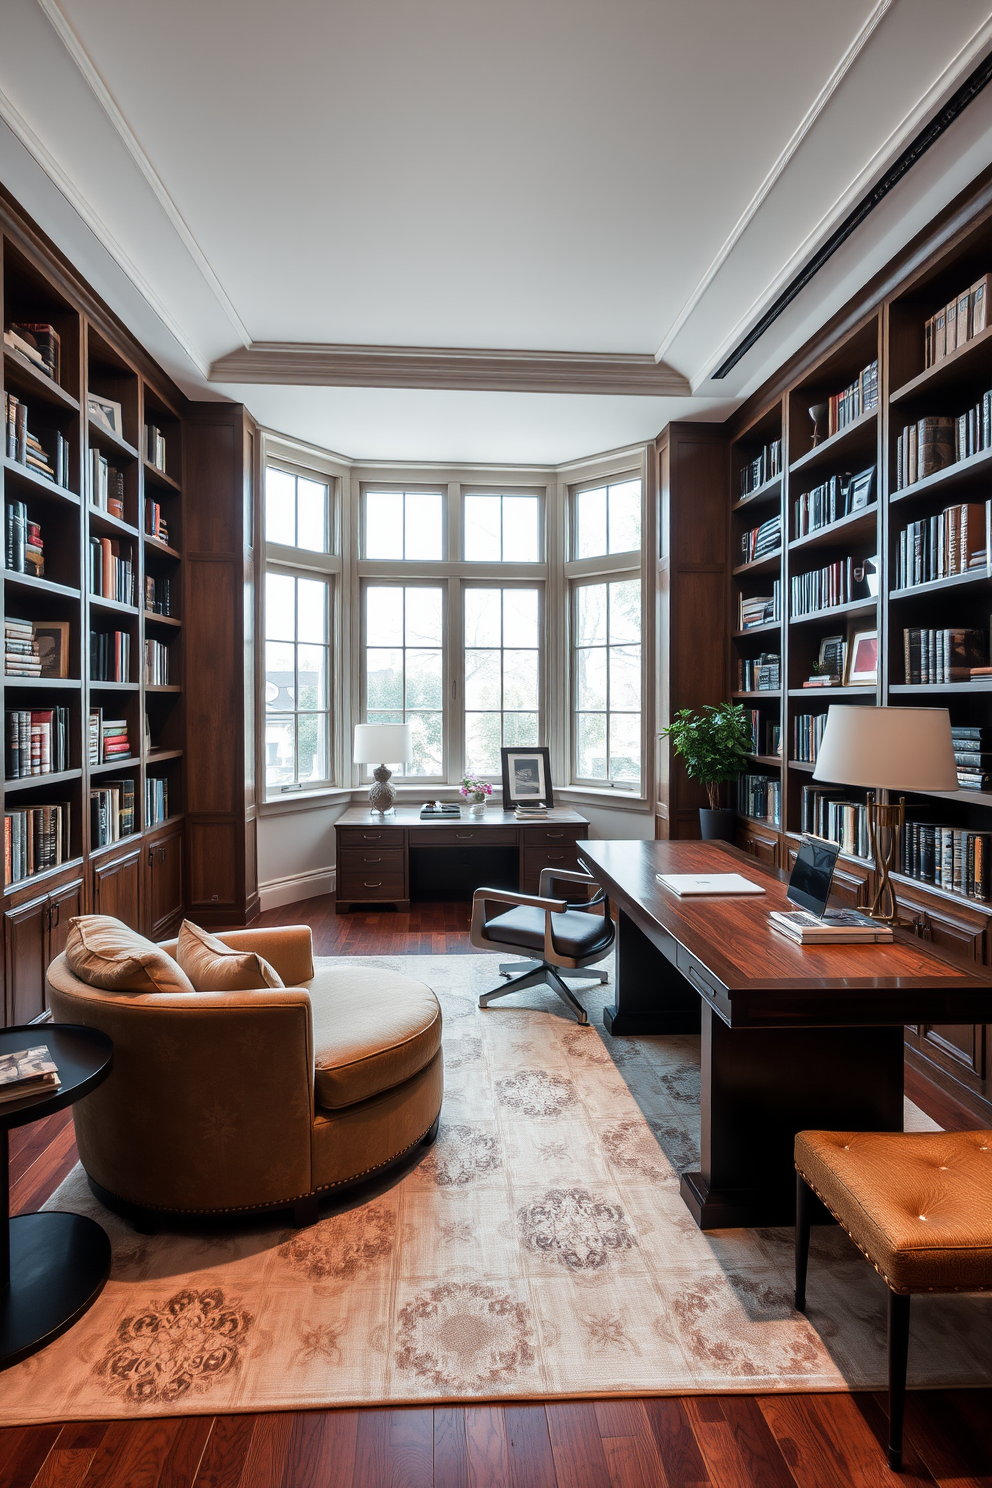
x=898, y=1357
x=804, y=1207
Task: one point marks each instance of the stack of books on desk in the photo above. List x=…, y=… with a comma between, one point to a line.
x=530, y=811
x=28, y=1072
x=838, y=927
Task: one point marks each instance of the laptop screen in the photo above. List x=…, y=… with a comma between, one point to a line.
x=809, y=885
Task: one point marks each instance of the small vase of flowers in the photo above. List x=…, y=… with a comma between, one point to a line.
x=476, y=793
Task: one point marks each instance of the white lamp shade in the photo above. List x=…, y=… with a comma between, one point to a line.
x=383, y=743
x=888, y=748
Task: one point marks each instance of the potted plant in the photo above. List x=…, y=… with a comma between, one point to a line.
x=714, y=746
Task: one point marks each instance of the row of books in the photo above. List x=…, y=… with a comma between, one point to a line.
x=110, y=656
x=807, y=736
x=760, y=797
x=963, y=317
x=106, y=485
x=759, y=609
x=950, y=858
x=21, y=652
x=761, y=541
x=823, y=587
x=763, y=675
x=37, y=741
x=155, y=523
x=834, y=499
x=155, y=447
x=25, y=548
x=935, y=442
x=941, y=656
x=107, y=738
x=766, y=738
x=111, y=812
x=38, y=342
x=112, y=570
x=36, y=838
x=958, y=540
x=826, y=813
x=971, y=744
x=762, y=468
x=158, y=595
x=43, y=450
x=861, y=397
x=156, y=664
x=156, y=800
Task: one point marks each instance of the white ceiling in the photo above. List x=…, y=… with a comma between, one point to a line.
x=638, y=176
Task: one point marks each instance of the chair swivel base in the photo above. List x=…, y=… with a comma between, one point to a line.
x=586, y=973
x=541, y=975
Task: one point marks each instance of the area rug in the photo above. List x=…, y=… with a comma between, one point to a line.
x=541, y=1250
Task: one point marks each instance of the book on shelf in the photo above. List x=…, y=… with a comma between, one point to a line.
x=957, y=322
x=155, y=447
x=763, y=467
x=936, y=443
x=155, y=523
x=762, y=541
x=38, y=342
x=832, y=500
x=110, y=656
x=955, y=859
x=760, y=609
x=45, y=451
x=843, y=582
x=860, y=397
x=111, y=812
x=27, y=1072
x=825, y=812
x=106, y=485
x=941, y=656
x=106, y=738
x=36, y=838
x=158, y=595
x=25, y=545
x=807, y=736
x=761, y=675
x=837, y=927
x=957, y=540
x=156, y=800
x=37, y=741
x=760, y=797
x=156, y=664
x=21, y=650
x=112, y=570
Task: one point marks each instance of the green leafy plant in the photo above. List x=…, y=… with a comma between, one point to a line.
x=713, y=745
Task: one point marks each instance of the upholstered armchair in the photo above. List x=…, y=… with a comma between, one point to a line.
x=236, y=1101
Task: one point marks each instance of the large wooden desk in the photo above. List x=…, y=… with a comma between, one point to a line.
x=793, y=1037
x=380, y=859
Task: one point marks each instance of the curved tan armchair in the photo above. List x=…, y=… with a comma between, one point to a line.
x=233, y=1101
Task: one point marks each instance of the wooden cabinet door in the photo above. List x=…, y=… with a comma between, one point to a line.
x=760, y=845
x=26, y=944
x=960, y=930
x=164, y=884
x=63, y=903
x=116, y=887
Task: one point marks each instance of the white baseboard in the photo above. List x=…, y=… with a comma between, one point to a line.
x=280, y=891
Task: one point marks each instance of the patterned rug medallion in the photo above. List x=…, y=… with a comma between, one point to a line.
x=541, y=1250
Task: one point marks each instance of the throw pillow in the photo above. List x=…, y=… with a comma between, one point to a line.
x=105, y=953
x=213, y=966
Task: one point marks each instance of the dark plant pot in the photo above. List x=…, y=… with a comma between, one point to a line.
x=717, y=826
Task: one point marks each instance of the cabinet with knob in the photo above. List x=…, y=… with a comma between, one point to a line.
x=163, y=886
x=35, y=932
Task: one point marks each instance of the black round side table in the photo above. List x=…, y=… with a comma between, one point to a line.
x=52, y=1266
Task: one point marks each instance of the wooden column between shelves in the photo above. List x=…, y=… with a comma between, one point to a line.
x=222, y=873
x=692, y=606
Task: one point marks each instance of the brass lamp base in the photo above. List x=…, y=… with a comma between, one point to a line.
x=885, y=824
x=382, y=795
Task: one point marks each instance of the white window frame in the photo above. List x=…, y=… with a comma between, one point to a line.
x=542, y=712
x=395, y=581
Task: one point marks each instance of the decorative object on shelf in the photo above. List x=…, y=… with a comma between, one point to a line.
x=526, y=776
x=106, y=413
x=861, y=490
x=52, y=643
x=883, y=749
x=866, y=577
x=476, y=793
x=714, y=746
x=375, y=742
x=862, y=659
x=818, y=413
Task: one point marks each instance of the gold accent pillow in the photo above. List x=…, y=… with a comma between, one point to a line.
x=105, y=953
x=213, y=966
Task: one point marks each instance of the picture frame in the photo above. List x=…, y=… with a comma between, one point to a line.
x=52, y=638
x=526, y=776
x=862, y=659
x=861, y=490
x=832, y=659
x=105, y=413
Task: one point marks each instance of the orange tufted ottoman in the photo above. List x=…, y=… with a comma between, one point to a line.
x=918, y=1205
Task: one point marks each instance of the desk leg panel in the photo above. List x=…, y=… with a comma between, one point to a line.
x=762, y=1086
x=651, y=995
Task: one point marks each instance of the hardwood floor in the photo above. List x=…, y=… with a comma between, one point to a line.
x=709, y=1441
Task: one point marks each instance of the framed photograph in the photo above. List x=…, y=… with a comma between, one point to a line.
x=863, y=659
x=52, y=638
x=833, y=656
x=526, y=776
x=861, y=490
x=106, y=413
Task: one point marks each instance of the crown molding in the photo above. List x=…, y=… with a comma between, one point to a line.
x=326, y=365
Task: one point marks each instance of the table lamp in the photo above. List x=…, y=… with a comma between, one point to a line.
x=887, y=749
x=375, y=742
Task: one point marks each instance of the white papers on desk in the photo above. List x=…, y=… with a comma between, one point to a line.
x=691, y=885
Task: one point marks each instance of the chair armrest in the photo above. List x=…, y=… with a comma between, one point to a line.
x=482, y=898
x=289, y=948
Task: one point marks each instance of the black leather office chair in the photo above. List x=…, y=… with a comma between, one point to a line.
x=564, y=935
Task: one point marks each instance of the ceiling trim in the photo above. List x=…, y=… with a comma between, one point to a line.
x=790, y=149
x=102, y=94
x=326, y=365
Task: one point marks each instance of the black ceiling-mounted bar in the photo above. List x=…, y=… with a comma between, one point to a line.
x=953, y=108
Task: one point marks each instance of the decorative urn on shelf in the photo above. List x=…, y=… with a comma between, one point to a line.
x=476, y=793
x=714, y=746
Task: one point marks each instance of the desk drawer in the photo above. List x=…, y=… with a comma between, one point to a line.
x=370, y=836
x=382, y=859
x=370, y=886
x=539, y=836
x=697, y=976
x=462, y=835
x=536, y=858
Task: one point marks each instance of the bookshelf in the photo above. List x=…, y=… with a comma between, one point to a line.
x=111, y=519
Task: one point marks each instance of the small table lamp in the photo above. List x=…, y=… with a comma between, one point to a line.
x=375, y=742
x=887, y=749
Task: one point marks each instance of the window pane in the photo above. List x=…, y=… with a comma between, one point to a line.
x=279, y=679
x=519, y=730
x=625, y=678
x=625, y=611
x=590, y=615
x=311, y=517
x=384, y=678
x=384, y=615
x=423, y=617
x=423, y=679
x=384, y=524
x=625, y=517
x=590, y=523
x=482, y=617
x=312, y=609
x=590, y=678
x=280, y=507
x=482, y=683
x=280, y=752
x=591, y=746
x=520, y=529
x=625, y=746
x=427, y=750
x=311, y=746
x=481, y=521
x=423, y=526
x=311, y=677
x=520, y=617
x=519, y=679
x=280, y=608
x=482, y=743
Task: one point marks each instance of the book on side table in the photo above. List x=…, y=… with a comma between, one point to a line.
x=27, y=1072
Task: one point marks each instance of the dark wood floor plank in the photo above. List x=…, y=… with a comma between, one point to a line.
x=411, y=1447
x=955, y=1450
x=226, y=1452
x=755, y=1442
x=29, y=1142
x=580, y=1461
x=485, y=1434
x=70, y=1459
x=633, y=1463
x=267, y=1450
x=450, y=1448
x=131, y=1454
x=321, y=1450
x=528, y=1446
x=828, y=1443
x=43, y=1177
x=23, y=1450
x=677, y=1446
x=725, y=1463
x=182, y=1461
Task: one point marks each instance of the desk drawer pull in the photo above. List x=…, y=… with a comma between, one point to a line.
x=371, y=860
x=554, y=836
x=377, y=885
x=700, y=983
x=372, y=836
x=554, y=857
x=465, y=836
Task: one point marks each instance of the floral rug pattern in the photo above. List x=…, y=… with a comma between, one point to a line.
x=539, y=1249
